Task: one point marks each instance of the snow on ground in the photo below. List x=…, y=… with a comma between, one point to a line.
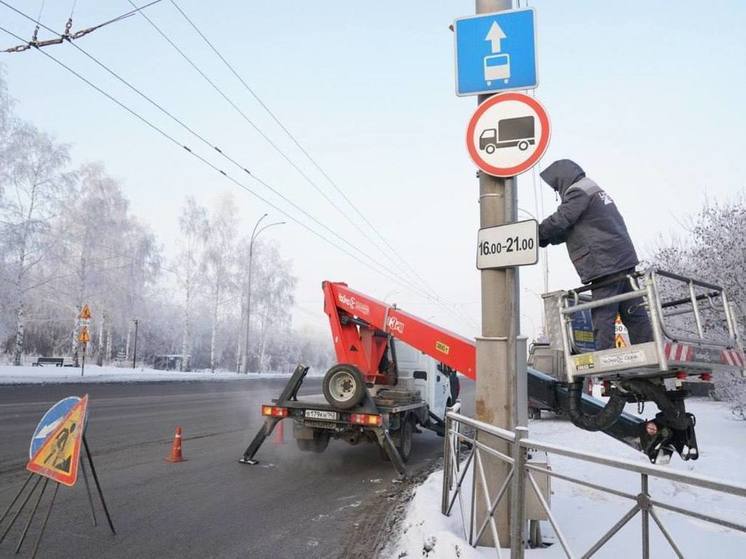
x=93, y=373
x=585, y=514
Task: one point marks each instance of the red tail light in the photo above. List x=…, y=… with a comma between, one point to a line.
x=366, y=419
x=274, y=411
x=681, y=375
x=706, y=376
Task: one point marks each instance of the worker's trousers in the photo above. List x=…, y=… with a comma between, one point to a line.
x=632, y=312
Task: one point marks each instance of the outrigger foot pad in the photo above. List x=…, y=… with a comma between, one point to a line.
x=670, y=439
x=248, y=461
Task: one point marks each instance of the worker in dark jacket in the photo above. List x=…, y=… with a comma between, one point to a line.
x=588, y=221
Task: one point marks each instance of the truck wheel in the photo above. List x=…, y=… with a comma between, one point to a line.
x=318, y=444
x=404, y=440
x=343, y=386
x=523, y=146
x=490, y=149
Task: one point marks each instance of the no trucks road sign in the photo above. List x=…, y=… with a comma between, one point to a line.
x=508, y=134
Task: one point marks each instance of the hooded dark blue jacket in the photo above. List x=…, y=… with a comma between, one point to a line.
x=588, y=221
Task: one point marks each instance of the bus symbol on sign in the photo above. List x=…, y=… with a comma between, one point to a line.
x=496, y=67
x=511, y=132
x=495, y=52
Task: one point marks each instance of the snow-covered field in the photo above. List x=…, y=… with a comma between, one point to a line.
x=585, y=514
x=93, y=373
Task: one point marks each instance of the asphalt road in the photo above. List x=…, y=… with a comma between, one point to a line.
x=292, y=504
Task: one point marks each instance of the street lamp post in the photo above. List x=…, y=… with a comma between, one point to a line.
x=134, y=349
x=254, y=234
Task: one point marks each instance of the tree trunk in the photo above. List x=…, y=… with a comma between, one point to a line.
x=108, y=345
x=100, y=352
x=186, y=340
x=127, y=343
x=20, y=327
x=214, y=338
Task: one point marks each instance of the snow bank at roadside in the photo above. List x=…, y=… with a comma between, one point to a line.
x=585, y=514
x=93, y=373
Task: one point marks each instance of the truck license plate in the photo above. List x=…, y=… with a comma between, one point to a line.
x=321, y=414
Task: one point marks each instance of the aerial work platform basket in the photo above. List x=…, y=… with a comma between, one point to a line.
x=695, y=333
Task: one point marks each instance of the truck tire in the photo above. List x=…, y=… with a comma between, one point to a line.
x=343, y=386
x=318, y=444
x=404, y=440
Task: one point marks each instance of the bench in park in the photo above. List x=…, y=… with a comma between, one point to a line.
x=56, y=361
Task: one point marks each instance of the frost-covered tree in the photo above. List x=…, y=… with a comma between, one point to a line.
x=272, y=298
x=715, y=251
x=219, y=259
x=193, y=229
x=35, y=183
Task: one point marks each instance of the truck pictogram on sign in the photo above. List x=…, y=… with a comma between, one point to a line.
x=510, y=132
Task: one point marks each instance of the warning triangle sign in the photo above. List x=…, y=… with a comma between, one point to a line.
x=59, y=456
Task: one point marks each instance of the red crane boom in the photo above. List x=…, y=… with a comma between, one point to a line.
x=361, y=327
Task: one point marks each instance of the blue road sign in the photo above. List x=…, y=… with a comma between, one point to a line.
x=495, y=52
x=50, y=422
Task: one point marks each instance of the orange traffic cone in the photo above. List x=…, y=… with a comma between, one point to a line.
x=176, y=448
x=279, y=433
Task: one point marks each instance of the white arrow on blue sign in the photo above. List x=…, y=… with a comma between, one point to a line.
x=495, y=52
x=50, y=422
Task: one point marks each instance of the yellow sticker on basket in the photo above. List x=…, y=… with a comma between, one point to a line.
x=583, y=336
x=584, y=362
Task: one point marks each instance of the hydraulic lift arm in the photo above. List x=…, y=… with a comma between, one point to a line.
x=361, y=327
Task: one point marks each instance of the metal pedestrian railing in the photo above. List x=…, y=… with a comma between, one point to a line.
x=466, y=448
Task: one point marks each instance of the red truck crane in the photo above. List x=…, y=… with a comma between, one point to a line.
x=396, y=372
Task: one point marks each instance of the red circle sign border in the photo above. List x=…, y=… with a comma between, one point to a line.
x=531, y=161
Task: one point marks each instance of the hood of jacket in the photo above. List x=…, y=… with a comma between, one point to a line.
x=561, y=174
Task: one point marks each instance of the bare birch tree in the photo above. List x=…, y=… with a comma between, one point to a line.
x=35, y=184
x=219, y=263
x=193, y=229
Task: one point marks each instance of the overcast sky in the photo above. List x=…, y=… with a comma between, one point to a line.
x=646, y=97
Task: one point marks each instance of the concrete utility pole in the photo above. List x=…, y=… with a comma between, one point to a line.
x=496, y=348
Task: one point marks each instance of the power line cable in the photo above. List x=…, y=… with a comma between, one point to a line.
x=309, y=157
x=426, y=290
x=308, y=179
x=34, y=42
x=205, y=161
x=211, y=145
x=408, y=282
x=238, y=109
